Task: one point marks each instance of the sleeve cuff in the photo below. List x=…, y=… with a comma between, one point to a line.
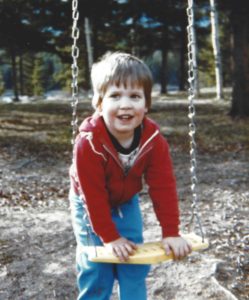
x=170, y=231
x=110, y=237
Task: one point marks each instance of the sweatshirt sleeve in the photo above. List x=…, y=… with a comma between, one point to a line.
x=162, y=188
x=91, y=178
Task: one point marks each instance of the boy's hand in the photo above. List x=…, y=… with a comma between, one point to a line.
x=122, y=248
x=178, y=245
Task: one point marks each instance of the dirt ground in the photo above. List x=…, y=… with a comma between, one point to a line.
x=37, y=244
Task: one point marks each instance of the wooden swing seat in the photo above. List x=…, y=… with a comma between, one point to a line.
x=147, y=253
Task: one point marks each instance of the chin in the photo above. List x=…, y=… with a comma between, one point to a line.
x=125, y=130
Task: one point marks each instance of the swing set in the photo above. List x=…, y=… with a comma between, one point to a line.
x=152, y=252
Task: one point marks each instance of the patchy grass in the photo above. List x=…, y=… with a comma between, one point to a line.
x=44, y=129
x=215, y=130
x=36, y=129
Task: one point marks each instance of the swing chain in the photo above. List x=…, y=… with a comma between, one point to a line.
x=192, y=76
x=75, y=89
x=75, y=69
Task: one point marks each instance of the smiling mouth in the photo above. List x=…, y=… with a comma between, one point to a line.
x=125, y=117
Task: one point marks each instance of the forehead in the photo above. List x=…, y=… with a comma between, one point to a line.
x=124, y=87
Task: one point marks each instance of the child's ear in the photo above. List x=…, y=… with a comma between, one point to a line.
x=146, y=109
x=96, y=100
x=99, y=108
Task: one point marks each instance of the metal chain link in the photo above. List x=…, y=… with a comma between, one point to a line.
x=192, y=76
x=75, y=69
x=75, y=89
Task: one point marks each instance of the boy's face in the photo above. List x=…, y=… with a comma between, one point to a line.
x=123, y=109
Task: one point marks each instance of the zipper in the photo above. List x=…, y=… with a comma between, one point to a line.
x=139, y=154
x=150, y=139
x=136, y=160
x=114, y=156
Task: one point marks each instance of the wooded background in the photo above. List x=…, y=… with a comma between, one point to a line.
x=35, y=43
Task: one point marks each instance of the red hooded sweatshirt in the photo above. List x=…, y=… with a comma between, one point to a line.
x=98, y=176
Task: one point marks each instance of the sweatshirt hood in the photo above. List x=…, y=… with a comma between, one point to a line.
x=91, y=123
x=96, y=126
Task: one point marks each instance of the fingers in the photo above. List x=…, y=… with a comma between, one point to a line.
x=178, y=253
x=180, y=247
x=167, y=249
x=132, y=245
x=123, y=251
x=181, y=252
x=189, y=248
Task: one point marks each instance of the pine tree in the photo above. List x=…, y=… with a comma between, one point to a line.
x=1, y=84
x=28, y=66
x=63, y=77
x=38, y=76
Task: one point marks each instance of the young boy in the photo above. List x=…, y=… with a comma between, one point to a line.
x=116, y=147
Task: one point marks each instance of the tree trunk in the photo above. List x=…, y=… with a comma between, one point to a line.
x=94, y=39
x=240, y=94
x=163, y=71
x=183, y=55
x=216, y=49
x=133, y=35
x=133, y=39
x=89, y=48
x=21, y=76
x=195, y=62
x=14, y=74
x=164, y=60
x=1, y=84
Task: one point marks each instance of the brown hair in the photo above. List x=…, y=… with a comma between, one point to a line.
x=120, y=68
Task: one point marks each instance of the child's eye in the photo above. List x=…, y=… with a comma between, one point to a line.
x=114, y=96
x=135, y=96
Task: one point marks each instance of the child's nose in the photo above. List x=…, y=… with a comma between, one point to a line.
x=125, y=102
